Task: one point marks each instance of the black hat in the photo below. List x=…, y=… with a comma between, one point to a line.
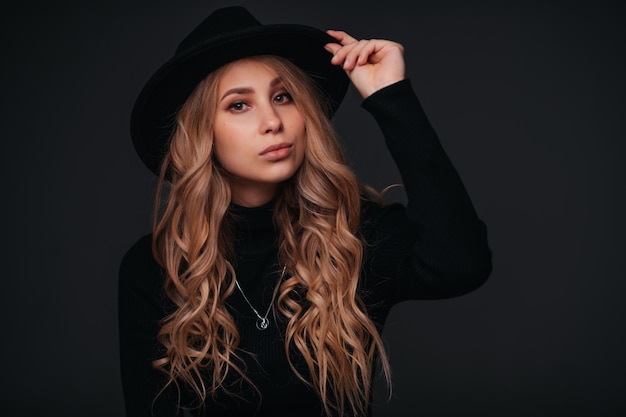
x=226, y=35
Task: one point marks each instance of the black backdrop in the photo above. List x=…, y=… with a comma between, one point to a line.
x=528, y=99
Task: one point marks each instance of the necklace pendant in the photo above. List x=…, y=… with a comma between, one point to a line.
x=262, y=323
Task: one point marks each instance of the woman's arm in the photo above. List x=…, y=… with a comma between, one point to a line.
x=437, y=246
x=438, y=238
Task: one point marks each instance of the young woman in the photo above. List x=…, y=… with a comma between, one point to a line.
x=265, y=283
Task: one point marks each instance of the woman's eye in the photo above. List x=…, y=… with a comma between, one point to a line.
x=283, y=98
x=238, y=106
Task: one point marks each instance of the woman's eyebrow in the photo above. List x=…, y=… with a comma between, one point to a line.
x=238, y=90
x=249, y=90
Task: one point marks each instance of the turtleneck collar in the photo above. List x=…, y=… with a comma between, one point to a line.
x=253, y=228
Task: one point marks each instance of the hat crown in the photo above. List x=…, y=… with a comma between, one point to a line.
x=220, y=22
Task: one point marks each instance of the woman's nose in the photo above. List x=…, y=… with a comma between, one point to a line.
x=270, y=121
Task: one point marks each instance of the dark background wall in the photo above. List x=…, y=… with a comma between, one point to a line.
x=528, y=99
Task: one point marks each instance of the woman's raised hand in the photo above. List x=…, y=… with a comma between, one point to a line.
x=371, y=64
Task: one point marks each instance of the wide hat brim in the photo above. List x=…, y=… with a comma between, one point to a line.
x=153, y=115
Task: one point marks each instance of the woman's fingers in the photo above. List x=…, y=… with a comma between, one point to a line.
x=341, y=36
x=354, y=54
x=350, y=55
x=341, y=50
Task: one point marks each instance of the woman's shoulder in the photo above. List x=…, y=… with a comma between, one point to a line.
x=138, y=264
x=141, y=249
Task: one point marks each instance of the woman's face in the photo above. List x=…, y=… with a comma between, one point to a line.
x=259, y=132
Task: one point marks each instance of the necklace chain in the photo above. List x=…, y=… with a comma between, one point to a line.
x=262, y=322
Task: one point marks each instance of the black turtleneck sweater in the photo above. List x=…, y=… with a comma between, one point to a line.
x=435, y=247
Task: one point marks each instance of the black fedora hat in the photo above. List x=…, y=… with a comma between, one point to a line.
x=226, y=35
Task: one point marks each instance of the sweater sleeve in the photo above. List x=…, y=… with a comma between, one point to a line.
x=140, y=308
x=436, y=246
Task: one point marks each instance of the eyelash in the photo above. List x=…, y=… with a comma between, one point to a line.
x=234, y=106
x=285, y=95
x=239, y=106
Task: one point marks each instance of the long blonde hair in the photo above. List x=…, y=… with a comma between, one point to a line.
x=317, y=213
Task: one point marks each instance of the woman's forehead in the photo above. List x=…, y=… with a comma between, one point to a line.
x=247, y=71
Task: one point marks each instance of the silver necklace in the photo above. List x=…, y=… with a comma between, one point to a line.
x=262, y=322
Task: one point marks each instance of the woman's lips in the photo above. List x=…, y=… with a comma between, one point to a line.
x=277, y=152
